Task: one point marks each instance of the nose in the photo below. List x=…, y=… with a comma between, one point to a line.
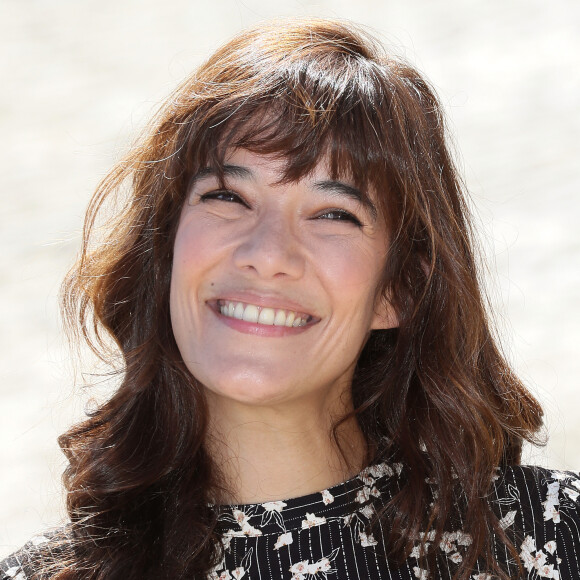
x=271, y=250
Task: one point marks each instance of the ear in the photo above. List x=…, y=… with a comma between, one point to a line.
x=384, y=315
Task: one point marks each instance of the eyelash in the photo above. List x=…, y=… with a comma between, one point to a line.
x=342, y=215
x=231, y=197
x=224, y=195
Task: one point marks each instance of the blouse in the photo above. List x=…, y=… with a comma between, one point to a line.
x=326, y=535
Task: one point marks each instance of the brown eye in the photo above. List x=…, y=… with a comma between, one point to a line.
x=340, y=215
x=223, y=195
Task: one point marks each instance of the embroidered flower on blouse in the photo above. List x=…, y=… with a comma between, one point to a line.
x=274, y=506
x=15, y=573
x=447, y=542
x=420, y=573
x=419, y=550
x=367, y=541
x=551, y=511
x=550, y=546
x=236, y=574
x=283, y=540
x=327, y=497
x=367, y=511
x=508, y=520
x=536, y=560
x=363, y=495
x=246, y=529
x=312, y=520
x=323, y=567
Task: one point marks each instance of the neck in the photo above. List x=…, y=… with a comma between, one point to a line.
x=266, y=454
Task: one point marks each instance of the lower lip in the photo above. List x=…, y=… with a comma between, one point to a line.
x=265, y=330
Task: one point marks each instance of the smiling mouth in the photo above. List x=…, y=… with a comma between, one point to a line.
x=263, y=315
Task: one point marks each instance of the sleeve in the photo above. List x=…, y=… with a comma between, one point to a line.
x=548, y=509
x=568, y=526
x=12, y=567
x=33, y=556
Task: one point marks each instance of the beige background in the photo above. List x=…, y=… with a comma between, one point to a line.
x=78, y=78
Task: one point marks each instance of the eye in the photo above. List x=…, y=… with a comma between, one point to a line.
x=223, y=195
x=340, y=215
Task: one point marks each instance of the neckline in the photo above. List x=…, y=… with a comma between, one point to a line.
x=302, y=512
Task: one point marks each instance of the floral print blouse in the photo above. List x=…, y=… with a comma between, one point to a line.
x=325, y=535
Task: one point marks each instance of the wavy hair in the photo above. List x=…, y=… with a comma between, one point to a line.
x=435, y=393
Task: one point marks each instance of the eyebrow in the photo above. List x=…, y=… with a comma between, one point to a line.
x=225, y=170
x=339, y=188
x=330, y=186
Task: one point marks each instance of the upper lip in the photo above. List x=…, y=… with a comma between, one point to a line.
x=266, y=301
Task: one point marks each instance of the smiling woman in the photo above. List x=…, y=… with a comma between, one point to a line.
x=311, y=387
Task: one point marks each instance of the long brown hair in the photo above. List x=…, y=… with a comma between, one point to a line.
x=435, y=393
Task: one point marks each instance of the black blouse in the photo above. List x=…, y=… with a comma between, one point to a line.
x=324, y=535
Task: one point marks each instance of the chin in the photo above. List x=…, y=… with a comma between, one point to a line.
x=251, y=392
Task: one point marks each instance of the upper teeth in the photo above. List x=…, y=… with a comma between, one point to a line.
x=261, y=314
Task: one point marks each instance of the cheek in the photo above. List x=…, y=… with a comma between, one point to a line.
x=352, y=270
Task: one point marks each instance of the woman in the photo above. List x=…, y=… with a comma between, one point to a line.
x=292, y=287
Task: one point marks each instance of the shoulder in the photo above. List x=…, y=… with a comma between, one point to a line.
x=539, y=510
x=41, y=552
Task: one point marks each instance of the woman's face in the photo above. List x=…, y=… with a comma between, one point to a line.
x=273, y=286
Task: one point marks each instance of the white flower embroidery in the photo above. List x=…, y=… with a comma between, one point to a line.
x=456, y=557
x=482, y=576
x=327, y=497
x=550, y=546
x=382, y=469
x=366, y=478
x=312, y=520
x=367, y=511
x=508, y=520
x=238, y=573
x=367, y=540
x=552, y=500
x=463, y=539
x=274, y=506
x=549, y=572
x=299, y=570
x=246, y=528
x=305, y=568
x=536, y=560
x=420, y=573
x=418, y=551
x=447, y=542
x=283, y=540
x=16, y=573
x=551, y=513
x=363, y=495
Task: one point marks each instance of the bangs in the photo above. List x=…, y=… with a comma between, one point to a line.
x=303, y=111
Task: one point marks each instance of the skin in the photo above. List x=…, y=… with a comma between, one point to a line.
x=274, y=391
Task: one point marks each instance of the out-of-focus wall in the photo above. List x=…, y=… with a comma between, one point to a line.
x=80, y=78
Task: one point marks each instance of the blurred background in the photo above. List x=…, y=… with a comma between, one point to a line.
x=80, y=78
